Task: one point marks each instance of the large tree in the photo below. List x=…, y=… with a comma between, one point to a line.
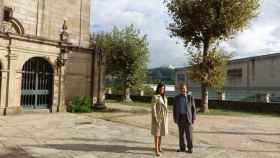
x=214, y=67
x=202, y=24
x=126, y=56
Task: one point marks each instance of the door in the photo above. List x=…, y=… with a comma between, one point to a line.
x=37, y=84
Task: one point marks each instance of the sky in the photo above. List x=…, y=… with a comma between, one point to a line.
x=262, y=36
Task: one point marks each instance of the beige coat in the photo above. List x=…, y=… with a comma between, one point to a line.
x=159, y=125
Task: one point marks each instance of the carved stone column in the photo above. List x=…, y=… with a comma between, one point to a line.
x=100, y=102
x=61, y=62
x=4, y=74
x=11, y=105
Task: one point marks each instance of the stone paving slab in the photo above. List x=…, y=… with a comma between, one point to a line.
x=65, y=135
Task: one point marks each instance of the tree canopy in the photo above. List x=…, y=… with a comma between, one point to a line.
x=126, y=55
x=202, y=24
x=199, y=21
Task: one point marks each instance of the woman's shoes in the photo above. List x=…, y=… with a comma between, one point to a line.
x=157, y=154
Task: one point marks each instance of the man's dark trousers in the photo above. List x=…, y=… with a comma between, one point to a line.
x=184, y=115
x=185, y=132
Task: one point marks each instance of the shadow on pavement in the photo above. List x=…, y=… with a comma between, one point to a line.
x=122, y=149
x=236, y=149
x=16, y=153
x=246, y=150
x=236, y=133
x=99, y=148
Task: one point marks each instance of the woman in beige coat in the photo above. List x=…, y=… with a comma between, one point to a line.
x=159, y=126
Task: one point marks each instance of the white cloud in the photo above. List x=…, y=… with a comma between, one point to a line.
x=262, y=36
x=150, y=16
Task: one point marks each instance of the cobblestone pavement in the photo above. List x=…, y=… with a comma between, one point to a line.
x=126, y=134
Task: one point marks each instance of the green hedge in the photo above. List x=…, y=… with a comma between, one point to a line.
x=80, y=105
x=144, y=99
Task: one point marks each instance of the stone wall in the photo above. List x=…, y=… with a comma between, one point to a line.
x=45, y=18
x=78, y=74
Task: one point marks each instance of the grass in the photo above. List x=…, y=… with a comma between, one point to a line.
x=141, y=104
x=114, y=106
x=223, y=112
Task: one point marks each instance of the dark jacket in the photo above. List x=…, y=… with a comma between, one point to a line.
x=191, y=109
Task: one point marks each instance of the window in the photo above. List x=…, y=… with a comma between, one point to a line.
x=234, y=73
x=8, y=13
x=181, y=77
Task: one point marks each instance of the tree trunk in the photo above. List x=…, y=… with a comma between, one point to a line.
x=204, y=91
x=204, y=99
x=126, y=94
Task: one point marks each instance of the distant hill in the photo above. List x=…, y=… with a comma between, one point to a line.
x=165, y=74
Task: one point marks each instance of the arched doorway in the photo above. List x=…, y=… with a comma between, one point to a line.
x=37, y=84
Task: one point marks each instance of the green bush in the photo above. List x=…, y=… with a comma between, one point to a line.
x=80, y=105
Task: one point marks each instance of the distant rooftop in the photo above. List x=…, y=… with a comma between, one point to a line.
x=258, y=57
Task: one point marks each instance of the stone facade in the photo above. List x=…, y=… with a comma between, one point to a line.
x=45, y=18
x=33, y=31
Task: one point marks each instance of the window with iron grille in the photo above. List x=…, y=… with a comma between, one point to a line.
x=36, y=85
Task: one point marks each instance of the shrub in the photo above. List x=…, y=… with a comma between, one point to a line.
x=79, y=105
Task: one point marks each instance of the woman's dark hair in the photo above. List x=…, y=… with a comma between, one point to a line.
x=161, y=84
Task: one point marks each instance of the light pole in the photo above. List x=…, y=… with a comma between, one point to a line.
x=99, y=105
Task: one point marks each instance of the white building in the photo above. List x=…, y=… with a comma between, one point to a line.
x=245, y=78
x=169, y=88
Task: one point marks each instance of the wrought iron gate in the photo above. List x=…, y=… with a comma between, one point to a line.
x=37, y=83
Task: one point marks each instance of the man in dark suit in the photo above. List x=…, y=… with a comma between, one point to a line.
x=184, y=113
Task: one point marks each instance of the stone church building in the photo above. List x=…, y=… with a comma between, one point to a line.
x=45, y=54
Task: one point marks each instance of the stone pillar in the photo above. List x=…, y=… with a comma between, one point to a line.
x=1, y=11
x=55, y=90
x=100, y=104
x=59, y=94
x=265, y=97
x=221, y=96
x=141, y=92
x=4, y=74
x=11, y=104
x=61, y=97
x=109, y=91
x=102, y=81
x=40, y=17
x=94, y=77
x=61, y=62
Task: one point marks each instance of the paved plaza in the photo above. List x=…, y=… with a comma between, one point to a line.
x=124, y=133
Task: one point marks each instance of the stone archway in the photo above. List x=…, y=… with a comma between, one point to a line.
x=37, y=84
x=17, y=26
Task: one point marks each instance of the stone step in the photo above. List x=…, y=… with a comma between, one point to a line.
x=35, y=111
